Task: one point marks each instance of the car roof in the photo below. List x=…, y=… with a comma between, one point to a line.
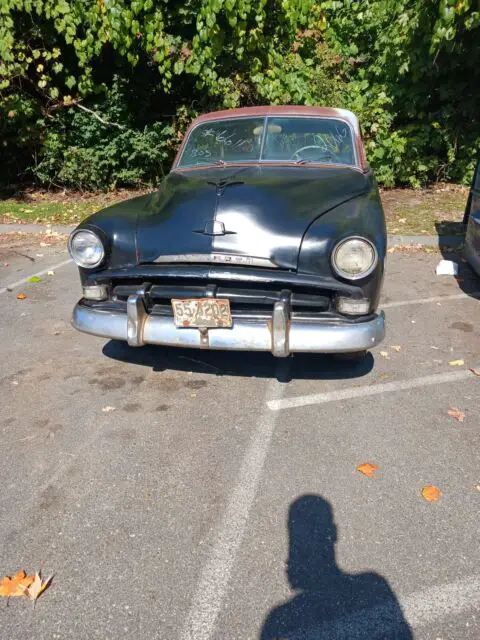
x=281, y=110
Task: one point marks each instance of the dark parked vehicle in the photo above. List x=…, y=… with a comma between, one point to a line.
x=268, y=234
x=472, y=219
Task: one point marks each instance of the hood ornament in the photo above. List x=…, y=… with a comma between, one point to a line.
x=223, y=184
x=214, y=228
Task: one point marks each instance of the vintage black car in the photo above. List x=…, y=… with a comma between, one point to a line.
x=268, y=234
x=472, y=220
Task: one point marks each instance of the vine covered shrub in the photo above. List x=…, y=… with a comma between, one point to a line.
x=95, y=95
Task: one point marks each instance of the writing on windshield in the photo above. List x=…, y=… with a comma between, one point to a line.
x=281, y=139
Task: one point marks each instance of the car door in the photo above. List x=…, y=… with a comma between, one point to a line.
x=473, y=201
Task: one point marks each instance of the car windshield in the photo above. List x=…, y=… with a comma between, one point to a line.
x=273, y=139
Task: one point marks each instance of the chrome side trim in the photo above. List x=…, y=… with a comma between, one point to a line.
x=316, y=336
x=217, y=258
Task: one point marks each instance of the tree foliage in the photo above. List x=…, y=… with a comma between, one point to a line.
x=97, y=94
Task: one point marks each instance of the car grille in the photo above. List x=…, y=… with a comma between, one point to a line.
x=245, y=298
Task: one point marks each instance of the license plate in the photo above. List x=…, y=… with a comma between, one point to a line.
x=202, y=313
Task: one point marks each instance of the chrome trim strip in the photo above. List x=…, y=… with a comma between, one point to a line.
x=313, y=336
x=217, y=258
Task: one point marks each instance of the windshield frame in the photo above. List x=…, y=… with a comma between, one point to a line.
x=260, y=160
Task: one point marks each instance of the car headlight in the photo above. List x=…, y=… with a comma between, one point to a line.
x=86, y=248
x=354, y=258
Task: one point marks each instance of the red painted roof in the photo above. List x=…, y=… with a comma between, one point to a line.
x=273, y=110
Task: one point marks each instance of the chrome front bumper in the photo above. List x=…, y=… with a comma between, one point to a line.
x=281, y=334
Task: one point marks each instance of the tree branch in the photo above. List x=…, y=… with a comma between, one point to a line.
x=99, y=118
x=47, y=111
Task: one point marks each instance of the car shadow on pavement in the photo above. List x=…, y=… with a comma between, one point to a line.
x=240, y=363
x=329, y=603
x=467, y=279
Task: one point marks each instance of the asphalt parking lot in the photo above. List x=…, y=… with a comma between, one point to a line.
x=201, y=495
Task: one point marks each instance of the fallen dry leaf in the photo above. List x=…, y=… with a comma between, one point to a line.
x=456, y=363
x=107, y=409
x=477, y=487
x=385, y=355
x=402, y=220
x=390, y=249
x=13, y=587
x=456, y=413
x=368, y=469
x=476, y=372
x=50, y=273
x=37, y=587
x=21, y=296
x=430, y=493
x=396, y=347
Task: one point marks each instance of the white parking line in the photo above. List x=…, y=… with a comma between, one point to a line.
x=38, y=274
x=211, y=589
x=370, y=390
x=456, y=296
x=419, y=608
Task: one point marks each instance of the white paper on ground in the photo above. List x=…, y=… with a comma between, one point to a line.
x=447, y=268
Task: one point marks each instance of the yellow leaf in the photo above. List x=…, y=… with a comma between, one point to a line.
x=456, y=413
x=430, y=493
x=13, y=587
x=456, y=363
x=385, y=355
x=37, y=587
x=368, y=469
x=396, y=347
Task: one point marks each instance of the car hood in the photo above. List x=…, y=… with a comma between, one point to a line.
x=256, y=212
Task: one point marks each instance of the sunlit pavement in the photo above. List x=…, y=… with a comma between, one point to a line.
x=197, y=495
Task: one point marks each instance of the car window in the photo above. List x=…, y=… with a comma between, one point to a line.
x=309, y=140
x=286, y=139
x=236, y=140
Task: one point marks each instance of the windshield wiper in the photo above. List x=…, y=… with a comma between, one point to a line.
x=214, y=163
x=327, y=156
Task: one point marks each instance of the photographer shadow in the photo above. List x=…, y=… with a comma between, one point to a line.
x=329, y=603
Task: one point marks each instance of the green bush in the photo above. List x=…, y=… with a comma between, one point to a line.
x=97, y=95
